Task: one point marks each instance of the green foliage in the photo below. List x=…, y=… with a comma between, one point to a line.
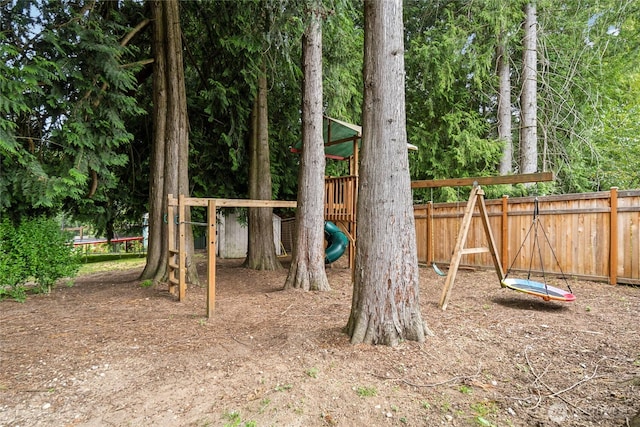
x=587, y=90
x=450, y=84
x=587, y=95
x=62, y=70
x=37, y=250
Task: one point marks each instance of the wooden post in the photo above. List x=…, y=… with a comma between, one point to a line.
x=505, y=232
x=211, y=258
x=182, y=249
x=429, y=233
x=613, y=237
x=489, y=235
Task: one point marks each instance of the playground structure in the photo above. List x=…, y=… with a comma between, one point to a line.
x=342, y=142
x=177, y=256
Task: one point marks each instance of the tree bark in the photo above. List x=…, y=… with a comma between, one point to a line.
x=170, y=165
x=386, y=304
x=157, y=244
x=504, y=108
x=307, y=270
x=528, y=98
x=261, y=251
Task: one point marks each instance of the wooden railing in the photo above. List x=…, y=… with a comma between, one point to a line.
x=340, y=202
x=593, y=236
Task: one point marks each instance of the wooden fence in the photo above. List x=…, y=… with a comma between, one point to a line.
x=594, y=236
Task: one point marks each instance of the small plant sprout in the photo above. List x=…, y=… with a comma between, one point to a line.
x=484, y=408
x=312, y=372
x=283, y=387
x=233, y=417
x=366, y=391
x=263, y=404
x=235, y=420
x=425, y=404
x=465, y=389
x=146, y=284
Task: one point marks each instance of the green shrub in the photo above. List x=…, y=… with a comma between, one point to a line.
x=36, y=251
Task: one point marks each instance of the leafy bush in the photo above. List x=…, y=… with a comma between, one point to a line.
x=36, y=251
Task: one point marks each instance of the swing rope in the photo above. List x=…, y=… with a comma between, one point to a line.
x=433, y=262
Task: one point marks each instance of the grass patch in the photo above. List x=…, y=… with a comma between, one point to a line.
x=110, y=262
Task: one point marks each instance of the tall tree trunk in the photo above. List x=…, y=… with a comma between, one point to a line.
x=307, y=266
x=169, y=169
x=157, y=243
x=386, y=304
x=261, y=251
x=504, y=108
x=528, y=98
x=178, y=126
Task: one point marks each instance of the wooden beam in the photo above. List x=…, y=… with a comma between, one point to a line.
x=240, y=203
x=484, y=180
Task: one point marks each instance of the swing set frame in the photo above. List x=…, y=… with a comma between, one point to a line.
x=476, y=198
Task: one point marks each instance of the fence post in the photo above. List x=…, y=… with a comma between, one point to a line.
x=505, y=233
x=613, y=237
x=429, y=232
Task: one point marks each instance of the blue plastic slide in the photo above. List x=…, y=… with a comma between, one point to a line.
x=337, y=242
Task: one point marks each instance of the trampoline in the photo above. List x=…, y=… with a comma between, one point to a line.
x=542, y=290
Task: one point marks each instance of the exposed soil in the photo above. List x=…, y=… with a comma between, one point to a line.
x=108, y=352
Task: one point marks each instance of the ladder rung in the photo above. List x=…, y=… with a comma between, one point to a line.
x=174, y=281
x=173, y=265
x=174, y=251
x=474, y=251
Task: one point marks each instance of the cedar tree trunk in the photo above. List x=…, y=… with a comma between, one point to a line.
x=170, y=161
x=307, y=265
x=386, y=305
x=261, y=251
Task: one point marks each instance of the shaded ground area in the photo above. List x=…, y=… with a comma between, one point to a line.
x=108, y=352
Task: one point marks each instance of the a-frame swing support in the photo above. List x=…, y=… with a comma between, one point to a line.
x=476, y=198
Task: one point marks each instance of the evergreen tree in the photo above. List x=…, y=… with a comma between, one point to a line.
x=66, y=84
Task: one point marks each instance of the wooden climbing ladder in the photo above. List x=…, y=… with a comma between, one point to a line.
x=177, y=256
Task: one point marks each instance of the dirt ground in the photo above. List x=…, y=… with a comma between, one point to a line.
x=109, y=352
